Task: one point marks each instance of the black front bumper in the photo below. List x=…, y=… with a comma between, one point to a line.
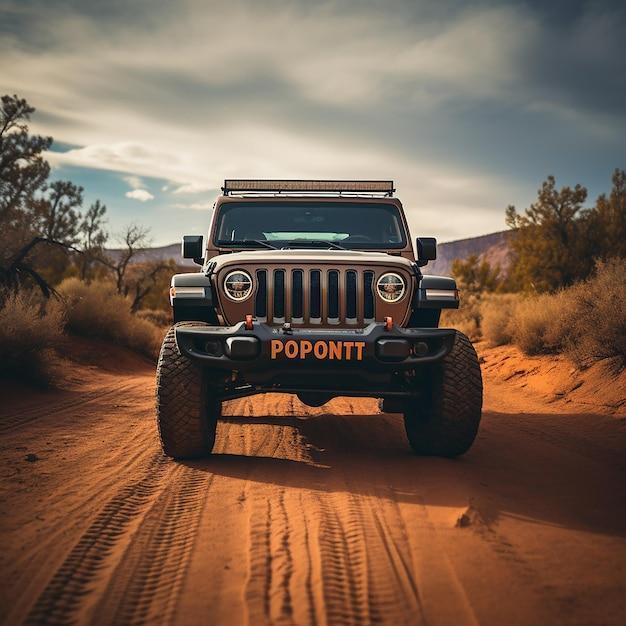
x=274, y=348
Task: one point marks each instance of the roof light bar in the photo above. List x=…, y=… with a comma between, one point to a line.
x=308, y=186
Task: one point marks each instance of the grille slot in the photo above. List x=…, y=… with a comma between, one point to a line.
x=260, y=303
x=351, y=295
x=333, y=296
x=316, y=295
x=368, y=296
x=279, y=294
x=296, y=294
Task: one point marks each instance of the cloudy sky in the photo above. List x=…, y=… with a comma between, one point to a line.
x=467, y=106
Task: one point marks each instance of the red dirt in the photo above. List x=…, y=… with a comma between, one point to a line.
x=314, y=516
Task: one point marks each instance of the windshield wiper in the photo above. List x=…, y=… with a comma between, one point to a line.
x=247, y=242
x=316, y=242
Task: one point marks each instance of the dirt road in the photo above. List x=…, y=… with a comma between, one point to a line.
x=305, y=516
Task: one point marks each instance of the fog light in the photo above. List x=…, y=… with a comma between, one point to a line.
x=392, y=349
x=421, y=348
x=213, y=347
x=242, y=348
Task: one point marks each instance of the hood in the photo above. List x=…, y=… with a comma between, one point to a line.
x=310, y=256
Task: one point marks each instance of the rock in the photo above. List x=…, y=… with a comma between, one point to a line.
x=31, y=458
x=464, y=521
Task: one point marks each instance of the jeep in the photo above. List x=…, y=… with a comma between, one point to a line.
x=313, y=288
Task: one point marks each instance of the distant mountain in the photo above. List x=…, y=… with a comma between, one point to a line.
x=162, y=253
x=492, y=247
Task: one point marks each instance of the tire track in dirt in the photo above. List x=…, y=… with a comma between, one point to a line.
x=345, y=575
x=64, y=596
x=366, y=580
x=276, y=533
x=327, y=557
x=145, y=585
x=355, y=571
x=18, y=418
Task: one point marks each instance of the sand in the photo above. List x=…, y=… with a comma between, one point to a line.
x=313, y=516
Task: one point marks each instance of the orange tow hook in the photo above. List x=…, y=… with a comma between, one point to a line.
x=248, y=322
x=388, y=323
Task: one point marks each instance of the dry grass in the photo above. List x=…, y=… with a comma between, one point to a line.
x=158, y=317
x=595, y=325
x=536, y=325
x=30, y=330
x=465, y=319
x=96, y=310
x=497, y=318
x=587, y=322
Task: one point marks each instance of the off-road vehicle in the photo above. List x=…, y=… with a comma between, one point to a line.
x=313, y=288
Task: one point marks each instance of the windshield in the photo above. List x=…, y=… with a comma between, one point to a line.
x=348, y=225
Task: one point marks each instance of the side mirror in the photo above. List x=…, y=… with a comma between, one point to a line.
x=192, y=248
x=426, y=250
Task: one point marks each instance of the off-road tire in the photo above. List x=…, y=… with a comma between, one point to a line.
x=186, y=409
x=444, y=420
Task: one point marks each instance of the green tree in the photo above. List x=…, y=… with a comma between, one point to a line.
x=475, y=276
x=40, y=222
x=93, y=237
x=23, y=170
x=606, y=222
x=549, y=248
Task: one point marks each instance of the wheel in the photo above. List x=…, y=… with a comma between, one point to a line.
x=444, y=420
x=186, y=409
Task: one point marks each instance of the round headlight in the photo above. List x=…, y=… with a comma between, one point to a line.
x=238, y=285
x=390, y=287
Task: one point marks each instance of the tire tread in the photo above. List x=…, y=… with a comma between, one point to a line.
x=186, y=414
x=449, y=425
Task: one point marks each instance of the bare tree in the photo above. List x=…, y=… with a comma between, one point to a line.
x=143, y=278
x=135, y=279
x=52, y=219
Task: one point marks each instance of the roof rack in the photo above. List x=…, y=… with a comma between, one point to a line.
x=242, y=186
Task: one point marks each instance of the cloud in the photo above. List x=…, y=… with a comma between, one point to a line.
x=466, y=108
x=135, y=182
x=428, y=187
x=139, y=194
x=197, y=206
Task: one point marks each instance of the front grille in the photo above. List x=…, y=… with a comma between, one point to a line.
x=315, y=296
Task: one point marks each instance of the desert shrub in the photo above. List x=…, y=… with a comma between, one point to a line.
x=96, y=310
x=158, y=317
x=587, y=321
x=465, y=319
x=497, y=318
x=594, y=324
x=30, y=330
x=536, y=324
